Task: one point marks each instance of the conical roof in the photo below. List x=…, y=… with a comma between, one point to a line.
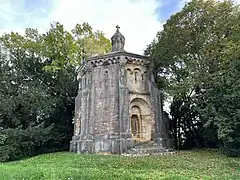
x=118, y=41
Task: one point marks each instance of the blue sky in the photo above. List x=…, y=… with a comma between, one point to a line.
x=139, y=19
x=23, y=13
x=167, y=8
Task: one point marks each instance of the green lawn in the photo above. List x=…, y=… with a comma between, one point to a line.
x=198, y=164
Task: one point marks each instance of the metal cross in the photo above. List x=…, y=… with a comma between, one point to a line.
x=117, y=27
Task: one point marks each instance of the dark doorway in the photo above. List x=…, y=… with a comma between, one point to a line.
x=135, y=126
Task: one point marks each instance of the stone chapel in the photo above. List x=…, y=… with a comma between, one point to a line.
x=118, y=105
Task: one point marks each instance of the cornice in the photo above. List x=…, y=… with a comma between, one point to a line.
x=112, y=58
x=118, y=53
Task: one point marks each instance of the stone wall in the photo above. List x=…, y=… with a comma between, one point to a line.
x=116, y=95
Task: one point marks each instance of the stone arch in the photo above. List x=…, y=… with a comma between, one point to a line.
x=140, y=120
x=144, y=76
x=137, y=72
x=129, y=76
x=137, y=69
x=129, y=70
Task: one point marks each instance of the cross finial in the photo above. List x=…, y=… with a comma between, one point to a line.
x=117, y=27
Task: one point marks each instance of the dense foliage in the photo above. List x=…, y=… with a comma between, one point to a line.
x=197, y=60
x=38, y=86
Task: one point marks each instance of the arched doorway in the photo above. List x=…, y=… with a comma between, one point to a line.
x=140, y=120
x=135, y=126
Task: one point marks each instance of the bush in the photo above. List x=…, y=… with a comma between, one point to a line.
x=19, y=143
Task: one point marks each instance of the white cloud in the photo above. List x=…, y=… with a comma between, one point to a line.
x=137, y=19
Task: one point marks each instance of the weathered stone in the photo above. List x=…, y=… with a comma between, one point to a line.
x=118, y=104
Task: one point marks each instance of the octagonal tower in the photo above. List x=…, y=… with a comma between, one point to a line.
x=118, y=104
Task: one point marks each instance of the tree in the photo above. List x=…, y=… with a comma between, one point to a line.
x=66, y=48
x=38, y=87
x=193, y=55
x=25, y=103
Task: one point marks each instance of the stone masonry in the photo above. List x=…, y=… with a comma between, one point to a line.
x=118, y=104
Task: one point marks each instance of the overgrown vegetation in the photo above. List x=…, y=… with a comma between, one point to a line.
x=185, y=165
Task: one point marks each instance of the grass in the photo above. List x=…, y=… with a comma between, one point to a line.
x=198, y=164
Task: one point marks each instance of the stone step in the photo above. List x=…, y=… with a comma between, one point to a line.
x=148, y=150
x=147, y=154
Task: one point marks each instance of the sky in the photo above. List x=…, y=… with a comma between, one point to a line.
x=139, y=20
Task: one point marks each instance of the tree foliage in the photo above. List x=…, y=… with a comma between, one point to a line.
x=197, y=56
x=38, y=87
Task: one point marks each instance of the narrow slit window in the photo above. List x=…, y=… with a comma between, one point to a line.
x=136, y=74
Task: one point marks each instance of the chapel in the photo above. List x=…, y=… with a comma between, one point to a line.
x=118, y=105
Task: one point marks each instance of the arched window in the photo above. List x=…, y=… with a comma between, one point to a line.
x=144, y=76
x=106, y=78
x=137, y=72
x=136, y=76
x=106, y=74
x=129, y=71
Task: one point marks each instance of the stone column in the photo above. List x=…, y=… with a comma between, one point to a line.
x=124, y=122
x=156, y=106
